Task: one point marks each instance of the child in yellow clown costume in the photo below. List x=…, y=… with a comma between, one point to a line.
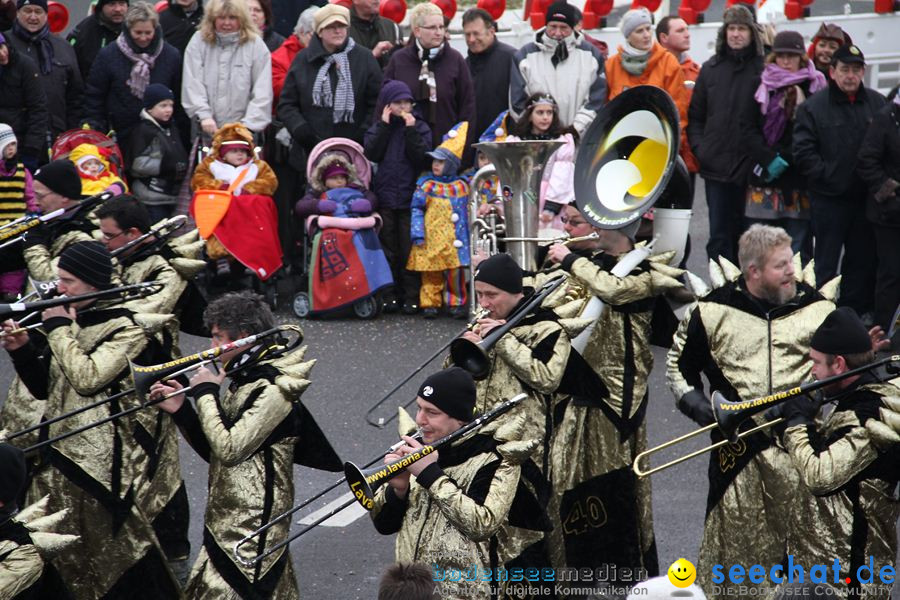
x=440, y=229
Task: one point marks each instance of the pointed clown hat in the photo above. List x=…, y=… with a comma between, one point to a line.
x=453, y=144
x=496, y=131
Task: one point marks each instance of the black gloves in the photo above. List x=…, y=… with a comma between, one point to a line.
x=697, y=407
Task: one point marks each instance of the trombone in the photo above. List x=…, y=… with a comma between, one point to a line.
x=561, y=239
x=144, y=377
x=364, y=483
x=161, y=232
x=15, y=231
x=126, y=293
x=730, y=415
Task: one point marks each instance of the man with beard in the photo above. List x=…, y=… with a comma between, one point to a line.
x=750, y=337
x=97, y=31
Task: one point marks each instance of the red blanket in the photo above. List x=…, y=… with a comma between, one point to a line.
x=249, y=231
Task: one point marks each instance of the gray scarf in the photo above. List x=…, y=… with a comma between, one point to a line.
x=634, y=61
x=341, y=101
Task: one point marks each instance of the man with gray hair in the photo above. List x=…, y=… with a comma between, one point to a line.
x=750, y=337
x=284, y=55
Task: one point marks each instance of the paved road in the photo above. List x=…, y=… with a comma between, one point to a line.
x=357, y=361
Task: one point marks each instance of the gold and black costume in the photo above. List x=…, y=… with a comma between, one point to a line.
x=95, y=474
x=604, y=511
x=848, y=507
x=454, y=512
x=248, y=436
x=746, y=348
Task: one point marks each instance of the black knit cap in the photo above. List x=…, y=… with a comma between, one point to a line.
x=101, y=3
x=40, y=3
x=502, y=272
x=451, y=390
x=12, y=473
x=156, y=93
x=89, y=262
x=61, y=177
x=841, y=333
x=562, y=12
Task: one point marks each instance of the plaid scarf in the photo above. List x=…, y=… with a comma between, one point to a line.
x=427, y=79
x=143, y=62
x=342, y=101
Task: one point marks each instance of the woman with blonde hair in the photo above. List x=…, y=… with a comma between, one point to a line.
x=227, y=70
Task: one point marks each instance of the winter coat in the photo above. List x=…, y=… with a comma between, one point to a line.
x=88, y=38
x=490, y=72
x=400, y=153
x=723, y=86
x=23, y=104
x=828, y=132
x=228, y=83
x=369, y=33
x=879, y=166
x=159, y=161
x=63, y=86
x=265, y=182
x=272, y=39
x=108, y=101
x=578, y=84
x=310, y=124
x=281, y=64
x=178, y=28
x=455, y=93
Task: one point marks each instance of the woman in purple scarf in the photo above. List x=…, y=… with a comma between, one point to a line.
x=123, y=70
x=776, y=193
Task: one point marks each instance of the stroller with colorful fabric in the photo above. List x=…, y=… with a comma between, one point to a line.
x=347, y=266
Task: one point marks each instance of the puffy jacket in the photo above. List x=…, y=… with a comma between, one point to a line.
x=179, y=27
x=228, y=83
x=400, y=153
x=281, y=64
x=578, y=83
x=108, y=101
x=23, y=105
x=88, y=38
x=310, y=124
x=63, y=85
x=879, y=166
x=490, y=75
x=828, y=133
x=159, y=161
x=724, y=84
x=455, y=93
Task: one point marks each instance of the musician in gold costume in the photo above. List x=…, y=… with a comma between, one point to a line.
x=847, y=508
x=162, y=495
x=450, y=512
x=249, y=435
x=605, y=513
x=750, y=337
x=93, y=474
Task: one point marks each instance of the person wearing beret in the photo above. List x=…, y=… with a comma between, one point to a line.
x=749, y=337
x=601, y=428
x=453, y=512
x=95, y=473
x=847, y=504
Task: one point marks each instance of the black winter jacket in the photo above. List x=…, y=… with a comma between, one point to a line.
x=879, y=166
x=490, y=75
x=88, y=38
x=724, y=84
x=369, y=33
x=828, y=132
x=63, y=86
x=310, y=124
x=23, y=105
x=108, y=101
x=400, y=153
x=159, y=161
x=178, y=28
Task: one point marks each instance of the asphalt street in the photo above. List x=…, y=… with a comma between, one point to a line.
x=357, y=362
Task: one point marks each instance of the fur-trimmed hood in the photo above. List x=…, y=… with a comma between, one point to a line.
x=316, y=180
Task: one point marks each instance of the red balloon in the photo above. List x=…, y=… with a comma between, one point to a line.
x=348, y=4
x=699, y=6
x=494, y=8
x=538, y=16
x=57, y=16
x=601, y=8
x=885, y=6
x=394, y=10
x=448, y=7
x=651, y=5
x=687, y=13
x=161, y=6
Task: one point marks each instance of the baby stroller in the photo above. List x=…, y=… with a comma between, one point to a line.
x=347, y=267
x=244, y=227
x=69, y=140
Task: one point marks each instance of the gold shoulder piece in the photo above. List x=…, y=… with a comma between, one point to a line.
x=50, y=544
x=662, y=257
x=406, y=425
x=152, y=323
x=570, y=309
x=573, y=327
x=716, y=276
x=831, y=289
x=731, y=272
x=697, y=285
x=809, y=273
x=33, y=511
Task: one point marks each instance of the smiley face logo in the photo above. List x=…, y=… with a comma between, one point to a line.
x=682, y=573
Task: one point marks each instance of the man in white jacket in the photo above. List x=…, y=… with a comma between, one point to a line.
x=560, y=62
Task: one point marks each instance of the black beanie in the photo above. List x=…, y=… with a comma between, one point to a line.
x=562, y=12
x=89, y=262
x=451, y=390
x=61, y=177
x=40, y=3
x=502, y=272
x=100, y=3
x=156, y=93
x=841, y=333
x=12, y=473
